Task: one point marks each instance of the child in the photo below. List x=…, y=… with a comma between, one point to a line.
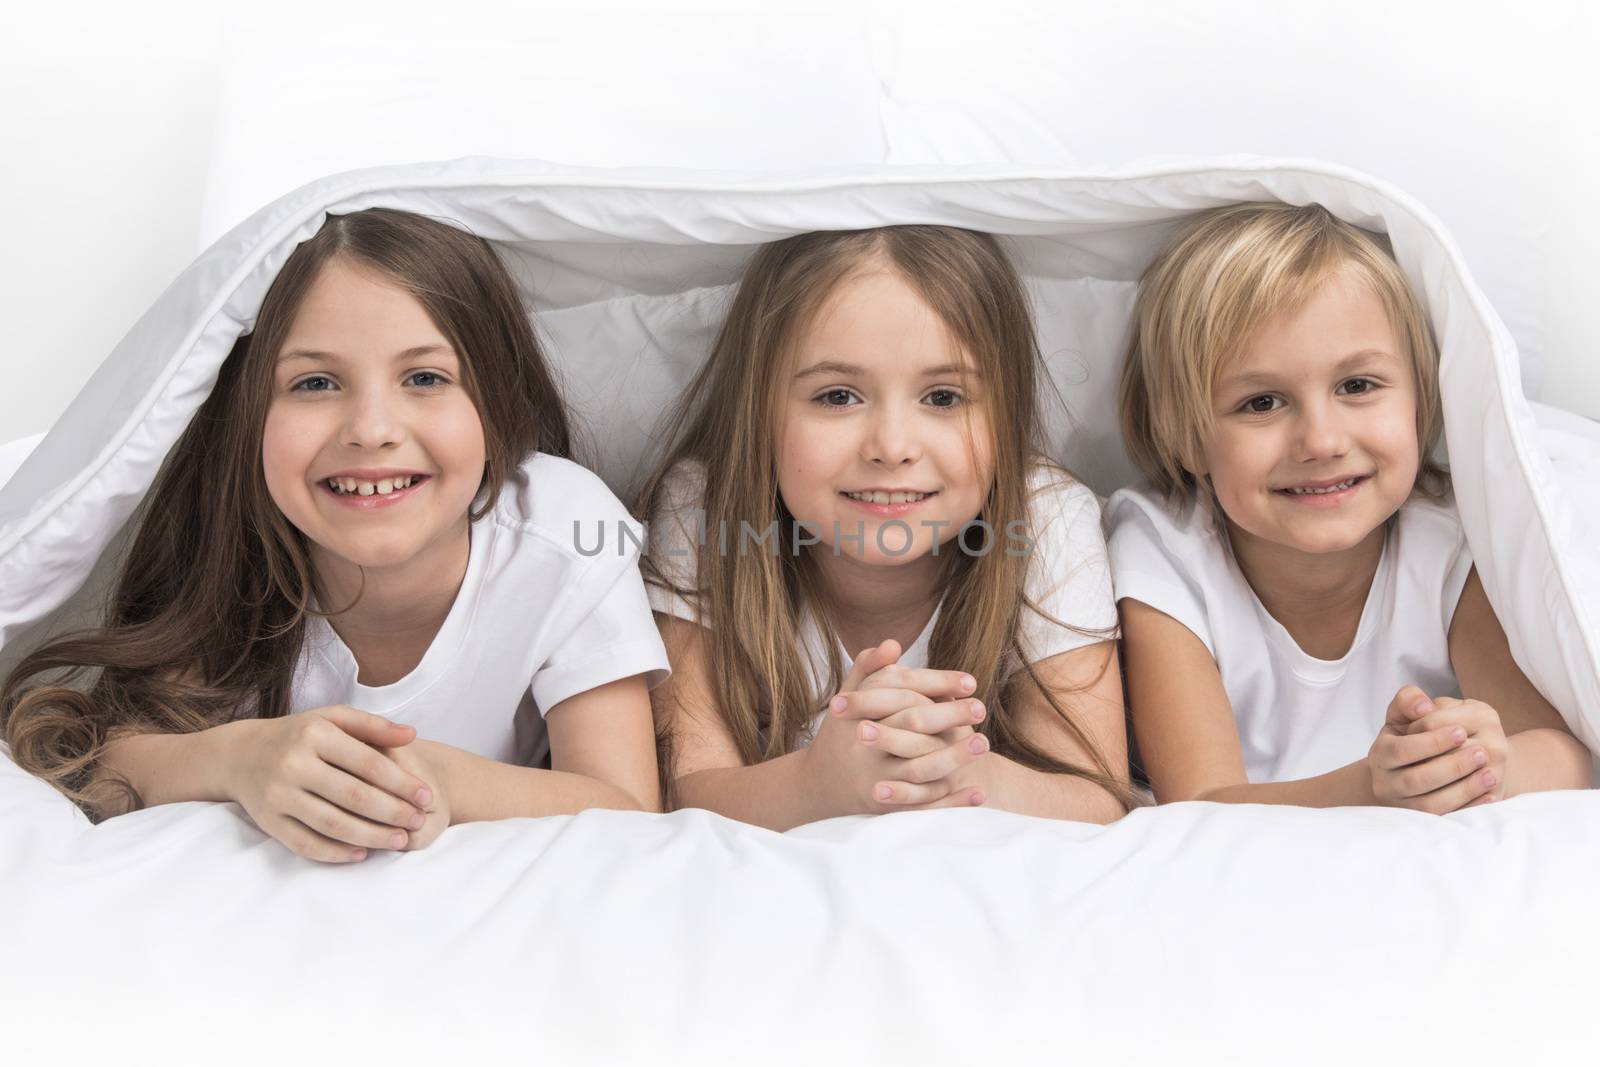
x=1299, y=609
x=857, y=465
x=371, y=510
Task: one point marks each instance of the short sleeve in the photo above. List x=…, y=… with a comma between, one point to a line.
x=616, y=638
x=1069, y=576
x=677, y=529
x=1434, y=546
x=1147, y=549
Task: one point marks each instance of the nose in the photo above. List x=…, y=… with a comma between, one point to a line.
x=372, y=420
x=1321, y=432
x=891, y=439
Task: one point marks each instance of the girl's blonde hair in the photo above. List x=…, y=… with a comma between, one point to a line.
x=208, y=612
x=1224, y=276
x=751, y=602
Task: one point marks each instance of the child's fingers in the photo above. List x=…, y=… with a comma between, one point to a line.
x=370, y=765
x=1469, y=717
x=367, y=727
x=1459, y=794
x=909, y=794
x=945, y=761
x=874, y=703
x=902, y=744
x=1408, y=705
x=1434, y=774
x=333, y=822
x=970, y=797
x=303, y=841
x=360, y=798
x=1403, y=750
x=869, y=662
x=929, y=682
x=937, y=718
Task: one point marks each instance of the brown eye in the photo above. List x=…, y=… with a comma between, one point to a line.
x=834, y=398
x=1261, y=405
x=944, y=398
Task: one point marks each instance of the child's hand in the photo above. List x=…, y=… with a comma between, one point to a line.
x=905, y=745
x=428, y=761
x=317, y=782
x=1485, y=734
x=1426, y=766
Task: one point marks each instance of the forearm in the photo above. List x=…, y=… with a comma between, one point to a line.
x=1543, y=759
x=1014, y=787
x=481, y=789
x=171, y=768
x=775, y=793
x=1348, y=786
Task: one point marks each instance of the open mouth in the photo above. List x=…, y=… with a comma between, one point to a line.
x=382, y=487
x=1331, y=489
x=889, y=498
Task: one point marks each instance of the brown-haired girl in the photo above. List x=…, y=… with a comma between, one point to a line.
x=858, y=466
x=1300, y=611
x=366, y=524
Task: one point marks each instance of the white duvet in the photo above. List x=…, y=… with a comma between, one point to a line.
x=1237, y=933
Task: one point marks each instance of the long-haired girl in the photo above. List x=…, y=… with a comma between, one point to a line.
x=366, y=524
x=858, y=465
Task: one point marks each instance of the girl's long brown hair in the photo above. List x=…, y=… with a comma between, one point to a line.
x=751, y=602
x=206, y=618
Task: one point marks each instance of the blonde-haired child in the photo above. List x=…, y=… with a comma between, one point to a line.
x=1302, y=621
x=857, y=466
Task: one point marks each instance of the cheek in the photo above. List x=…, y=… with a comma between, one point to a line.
x=287, y=449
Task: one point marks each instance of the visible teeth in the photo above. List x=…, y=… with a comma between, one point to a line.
x=888, y=498
x=347, y=486
x=1323, y=491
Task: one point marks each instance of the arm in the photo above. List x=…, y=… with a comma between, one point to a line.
x=707, y=768
x=315, y=780
x=1185, y=728
x=602, y=754
x=171, y=768
x=1541, y=752
x=1088, y=683
x=840, y=772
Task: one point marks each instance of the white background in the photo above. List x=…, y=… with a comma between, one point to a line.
x=134, y=137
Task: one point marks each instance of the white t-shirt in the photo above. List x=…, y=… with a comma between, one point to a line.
x=1068, y=574
x=552, y=605
x=1298, y=716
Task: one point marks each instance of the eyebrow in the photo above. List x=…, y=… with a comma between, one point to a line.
x=1268, y=378
x=317, y=356
x=847, y=370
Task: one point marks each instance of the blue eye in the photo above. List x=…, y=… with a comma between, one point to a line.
x=834, y=398
x=437, y=379
x=305, y=385
x=1261, y=405
x=947, y=399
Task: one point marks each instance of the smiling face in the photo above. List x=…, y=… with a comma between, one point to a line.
x=882, y=421
x=372, y=447
x=1315, y=440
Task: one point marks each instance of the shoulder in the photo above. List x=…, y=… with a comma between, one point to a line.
x=556, y=501
x=1063, y=512
x=1432, y=522
x=683, y=487
x=1056, y=492
x=1143, y=514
